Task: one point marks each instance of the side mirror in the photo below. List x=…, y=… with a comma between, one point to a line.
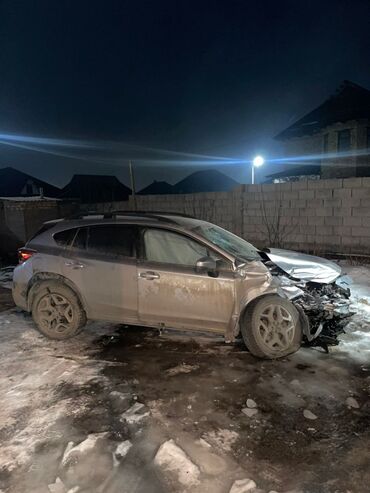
x=207, y=264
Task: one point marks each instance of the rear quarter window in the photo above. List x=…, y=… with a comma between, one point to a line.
x=65, y=238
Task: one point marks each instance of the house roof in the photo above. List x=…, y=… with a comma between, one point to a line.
x=13, y=181
x=305, y=170
x=157, y=188
x=350, y=102
x=95, y=188
x=210, y=180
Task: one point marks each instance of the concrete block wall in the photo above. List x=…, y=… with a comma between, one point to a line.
x=311, y=215
x=19, y=220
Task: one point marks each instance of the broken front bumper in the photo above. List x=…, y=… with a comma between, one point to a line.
x=324, y=309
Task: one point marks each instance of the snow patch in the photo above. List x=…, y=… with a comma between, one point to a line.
x=174, y=460
x=243, y=485
x=183, y=368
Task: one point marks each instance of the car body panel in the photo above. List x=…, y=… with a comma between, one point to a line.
x=305, y=267
x=134, y=290
x=109, y=285
x=183, y=298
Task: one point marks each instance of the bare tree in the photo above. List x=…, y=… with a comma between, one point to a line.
x=274, y=227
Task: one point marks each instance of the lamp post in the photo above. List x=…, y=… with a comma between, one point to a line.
x=256, y=163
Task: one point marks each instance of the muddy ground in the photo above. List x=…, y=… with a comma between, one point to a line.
x=193, y=388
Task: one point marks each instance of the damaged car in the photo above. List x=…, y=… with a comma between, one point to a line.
x=171, y=270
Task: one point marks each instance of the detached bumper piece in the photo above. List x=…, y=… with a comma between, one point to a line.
x=325, y=312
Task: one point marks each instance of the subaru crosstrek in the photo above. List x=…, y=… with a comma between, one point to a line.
x=170, y=270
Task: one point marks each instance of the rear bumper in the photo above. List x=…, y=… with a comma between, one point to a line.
x=19, y=292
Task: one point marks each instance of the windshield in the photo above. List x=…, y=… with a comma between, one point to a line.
x=227, y=241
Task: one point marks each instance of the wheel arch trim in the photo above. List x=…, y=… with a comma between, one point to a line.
x=41, y=277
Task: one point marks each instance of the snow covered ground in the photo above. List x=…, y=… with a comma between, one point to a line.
x=122, y=409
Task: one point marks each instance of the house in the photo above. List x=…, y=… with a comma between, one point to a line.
x=209, y=180
x=335, y=135
x=296, y=173
x=15, y=183
x=157, y=188
x=95, y=188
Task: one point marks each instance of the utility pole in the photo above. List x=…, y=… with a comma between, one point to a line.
x=132, y=178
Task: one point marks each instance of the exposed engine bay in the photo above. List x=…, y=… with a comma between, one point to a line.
x=324, y=305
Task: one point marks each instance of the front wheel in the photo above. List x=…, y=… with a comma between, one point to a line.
x=271, y=327
x=57, y=311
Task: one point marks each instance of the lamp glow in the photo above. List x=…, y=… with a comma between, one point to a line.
x=258, y=161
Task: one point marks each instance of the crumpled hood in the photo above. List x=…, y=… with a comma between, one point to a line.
x=304, y=267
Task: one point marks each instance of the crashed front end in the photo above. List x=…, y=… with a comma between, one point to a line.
x=322, y=297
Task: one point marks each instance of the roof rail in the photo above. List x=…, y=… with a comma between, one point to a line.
x=158, y=215
x=151, y=213
x=78, y=215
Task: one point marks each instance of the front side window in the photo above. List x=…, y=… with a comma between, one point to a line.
x=229, y=242
x=172, y=248
x=344, y=140
x=112, y=240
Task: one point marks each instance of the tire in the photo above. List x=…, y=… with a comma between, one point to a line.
x=57, y=310
x=271, y=327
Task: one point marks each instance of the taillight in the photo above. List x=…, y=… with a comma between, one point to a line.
x=24, y=254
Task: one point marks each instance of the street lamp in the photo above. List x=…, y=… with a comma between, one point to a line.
x=256, y=163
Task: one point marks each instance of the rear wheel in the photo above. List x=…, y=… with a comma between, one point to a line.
x=271, y=327
x=57, y=311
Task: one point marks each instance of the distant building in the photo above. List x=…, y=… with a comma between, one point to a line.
x=157, y=188
x=296, y=173
x=96, y=188
x=335, y=135
x=15, y=183
x=209, y=180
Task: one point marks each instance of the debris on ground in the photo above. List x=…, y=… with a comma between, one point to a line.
x=242, y=486
x=89, y=462
x=249, y=412
x=351, y=402
x=6, y=276
x=131, y=416
x=309, y=414
x=120, y=402
x=57, y=487
x=122, y=449
x=175, y=461
x=251, y=403
x=183, y=368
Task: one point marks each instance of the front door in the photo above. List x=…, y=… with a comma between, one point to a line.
x=173, y=293
x=101, y=262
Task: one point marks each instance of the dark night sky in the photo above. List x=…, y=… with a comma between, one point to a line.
x=210, y=77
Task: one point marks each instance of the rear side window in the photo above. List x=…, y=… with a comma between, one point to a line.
x=112, y=240
x=74, y=238
x=64, y=238
x=80, y=239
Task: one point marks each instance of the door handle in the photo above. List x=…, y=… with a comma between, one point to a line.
x=74, y=265
x=149, y=275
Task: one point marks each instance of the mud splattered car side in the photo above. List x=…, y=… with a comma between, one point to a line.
x=169, y=270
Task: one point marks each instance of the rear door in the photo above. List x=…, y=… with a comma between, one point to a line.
x=101, y=261
x=173, y=293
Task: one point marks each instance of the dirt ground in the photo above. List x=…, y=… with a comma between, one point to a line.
x=193, y=389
